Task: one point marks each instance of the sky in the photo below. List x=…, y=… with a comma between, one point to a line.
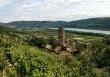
x=52, y=10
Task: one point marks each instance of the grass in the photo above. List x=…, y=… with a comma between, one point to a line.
x=45, y=64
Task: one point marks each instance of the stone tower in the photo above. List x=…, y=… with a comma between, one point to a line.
x=61, y=36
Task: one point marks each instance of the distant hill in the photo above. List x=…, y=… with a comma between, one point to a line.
x=92, y=23
x=5, y=29
x=37, y=24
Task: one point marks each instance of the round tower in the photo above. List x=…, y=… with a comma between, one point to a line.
x=61, y=36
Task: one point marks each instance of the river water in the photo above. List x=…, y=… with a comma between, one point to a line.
x=86, y=30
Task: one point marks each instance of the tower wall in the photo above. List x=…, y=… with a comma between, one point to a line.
x=61, y=35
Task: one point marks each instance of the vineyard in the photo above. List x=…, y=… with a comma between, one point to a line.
x=22, y=55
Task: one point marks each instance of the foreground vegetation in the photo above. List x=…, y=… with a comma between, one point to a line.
x=22, y=55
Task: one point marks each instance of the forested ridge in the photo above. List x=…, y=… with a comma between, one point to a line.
x=101, y=23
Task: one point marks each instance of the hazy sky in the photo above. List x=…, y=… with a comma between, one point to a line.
x=12, y=10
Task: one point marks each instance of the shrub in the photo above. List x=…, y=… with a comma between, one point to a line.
x=38, y=42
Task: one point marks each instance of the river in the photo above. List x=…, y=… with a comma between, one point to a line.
x=86, y=30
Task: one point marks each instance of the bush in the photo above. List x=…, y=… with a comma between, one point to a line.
x=38, y=42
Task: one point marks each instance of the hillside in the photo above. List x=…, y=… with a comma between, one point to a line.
x=92, y=23
x=5, y=29
x=37, y=24
x=22, y=55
